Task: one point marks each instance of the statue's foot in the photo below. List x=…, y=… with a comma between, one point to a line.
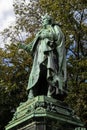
x=30, y=95
x=48, y=94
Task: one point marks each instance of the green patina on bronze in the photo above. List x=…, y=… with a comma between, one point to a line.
x=48, y=74
x=43, y=108
x=46, y=82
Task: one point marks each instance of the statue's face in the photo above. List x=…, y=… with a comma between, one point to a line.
x=45, y=21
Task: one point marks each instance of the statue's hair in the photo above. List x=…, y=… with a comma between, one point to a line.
x=51, y=20
x=46, y=16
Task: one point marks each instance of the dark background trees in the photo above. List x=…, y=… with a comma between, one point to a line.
x=72, y=16
x=14, y=70
x=15, y=64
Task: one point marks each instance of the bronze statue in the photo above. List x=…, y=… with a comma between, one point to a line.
x=48, y=74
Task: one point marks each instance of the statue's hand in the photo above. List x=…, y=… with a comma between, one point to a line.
x=27, y=48
x=43, y=35
x=21, y=46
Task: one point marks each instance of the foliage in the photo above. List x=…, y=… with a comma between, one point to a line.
x=14, y=71
x=15, y=64
x=72, y=16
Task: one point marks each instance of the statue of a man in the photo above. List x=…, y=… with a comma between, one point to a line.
x=48, y=74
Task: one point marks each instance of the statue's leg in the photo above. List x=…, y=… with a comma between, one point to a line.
x=48, y=93
x=51, y=91
x=30, y=95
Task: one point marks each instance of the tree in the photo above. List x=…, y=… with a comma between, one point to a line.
x=72, y=16
x=14, y=72
x=15, y=64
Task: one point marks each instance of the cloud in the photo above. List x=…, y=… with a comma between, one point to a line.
x=7, y=16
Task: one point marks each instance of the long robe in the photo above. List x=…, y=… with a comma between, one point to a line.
x=48, y=49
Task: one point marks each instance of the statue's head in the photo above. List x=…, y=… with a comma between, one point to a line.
x=47, y=19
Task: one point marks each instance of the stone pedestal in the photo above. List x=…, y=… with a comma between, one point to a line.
x=44, y=113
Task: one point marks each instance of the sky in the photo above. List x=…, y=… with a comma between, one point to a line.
x=7, y=16
x=6, y=13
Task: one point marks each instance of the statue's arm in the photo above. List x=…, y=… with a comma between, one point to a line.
x=25, y=47
x=59, y=36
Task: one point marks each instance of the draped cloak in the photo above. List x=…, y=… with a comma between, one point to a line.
x=48, y=49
